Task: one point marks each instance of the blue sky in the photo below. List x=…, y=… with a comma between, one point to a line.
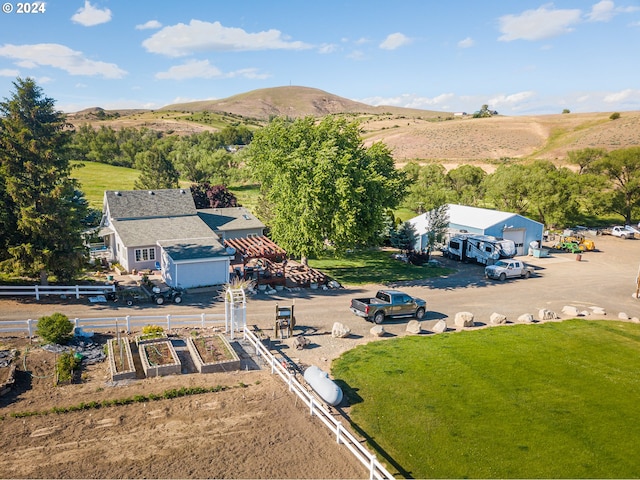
x=519, y=57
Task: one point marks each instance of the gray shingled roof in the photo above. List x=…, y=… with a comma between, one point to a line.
x=232, y=218
x=193, y=248
x=129, y=204
x=147, y=231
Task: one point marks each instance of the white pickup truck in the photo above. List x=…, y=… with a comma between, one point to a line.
x=623, y=232
x=503, y=269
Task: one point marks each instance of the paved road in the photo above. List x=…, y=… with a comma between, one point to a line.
x=606, y=278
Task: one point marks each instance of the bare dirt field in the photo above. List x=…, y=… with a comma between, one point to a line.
x=260, y=431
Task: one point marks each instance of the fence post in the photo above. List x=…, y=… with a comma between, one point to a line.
x=128, y=321
x=338, y=428
x=30, y=327
x=77, y=291
x=37, y=293
x=202, y=316
x=76, y=322
x=372, y=467
x=311, y=405
x=168, y=323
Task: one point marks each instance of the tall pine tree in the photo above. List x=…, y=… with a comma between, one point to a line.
x=41, y=198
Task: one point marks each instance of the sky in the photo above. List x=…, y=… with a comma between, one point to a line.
x=519, y=57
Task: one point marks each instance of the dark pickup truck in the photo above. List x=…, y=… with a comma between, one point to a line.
x=388, y=303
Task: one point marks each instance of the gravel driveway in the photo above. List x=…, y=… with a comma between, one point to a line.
x=605, y=278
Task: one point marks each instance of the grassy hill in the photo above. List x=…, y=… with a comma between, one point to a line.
x=424, y=135
x=95, y=178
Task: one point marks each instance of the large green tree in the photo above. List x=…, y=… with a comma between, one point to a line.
x=321, y=186
x=156, y=170
x=622, y=170
x=37, y=188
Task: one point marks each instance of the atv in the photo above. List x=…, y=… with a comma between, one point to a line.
x=171, y=294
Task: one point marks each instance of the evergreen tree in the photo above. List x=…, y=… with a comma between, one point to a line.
x=37, y=188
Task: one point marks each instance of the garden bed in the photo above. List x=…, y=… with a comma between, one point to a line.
x=121, y=359
x=159, y=358
x=213, y=354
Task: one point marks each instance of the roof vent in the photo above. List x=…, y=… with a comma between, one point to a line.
x=117, y=194
x=182, y=190
x=151, y=192
x=246, y=217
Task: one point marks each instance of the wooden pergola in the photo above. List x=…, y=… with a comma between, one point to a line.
x=256, y=247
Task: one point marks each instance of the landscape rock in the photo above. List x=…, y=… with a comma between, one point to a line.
x=497, y=319
x=623, y=316
x=340, y=330
x=377, y=331
x=544, y=314
x=570, y=310
x=301, y=342
x=464, y=319
x=585, y=313
x=598, y=311
x=439, y=327
x=414, y=326
x=525, y=318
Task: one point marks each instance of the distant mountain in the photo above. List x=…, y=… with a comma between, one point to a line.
x=410, y=134
x=293, y=102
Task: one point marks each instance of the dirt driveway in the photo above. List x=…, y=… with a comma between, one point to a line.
x=260, y=431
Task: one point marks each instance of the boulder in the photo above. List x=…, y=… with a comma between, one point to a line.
x=525, y=318
x=623, y=316
x=414, y=326
x=544, y=314
x=301, y=342
x=463, y=319
x=439, y=327
x=340, y=330
x=570, y=310
x=497, y=319
x=377, y=331
x=598, y=311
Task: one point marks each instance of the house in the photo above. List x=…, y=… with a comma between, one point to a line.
x=161, y=229
x=483, y=221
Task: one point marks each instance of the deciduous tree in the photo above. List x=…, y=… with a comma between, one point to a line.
x=320, y=186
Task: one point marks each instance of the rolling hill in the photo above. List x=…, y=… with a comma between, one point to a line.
x=410, y=133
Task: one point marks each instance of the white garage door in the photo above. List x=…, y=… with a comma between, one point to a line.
x=517, y=235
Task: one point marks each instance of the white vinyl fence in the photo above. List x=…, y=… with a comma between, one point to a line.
x=40, y=290
x=343, y=436
x=127, y=322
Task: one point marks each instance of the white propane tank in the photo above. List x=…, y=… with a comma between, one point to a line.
x=323, y=385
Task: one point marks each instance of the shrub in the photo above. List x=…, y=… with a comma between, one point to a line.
x=55, y=328
x=66, y=364
x=152, y=330
x=566, y=110
x=614, y=116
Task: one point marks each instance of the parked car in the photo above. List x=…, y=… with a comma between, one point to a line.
x=388, y=303
x=503, y=269
x=621, y=232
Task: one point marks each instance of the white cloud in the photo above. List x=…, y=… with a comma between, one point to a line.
x=59, y=56
x=466, y=43
x=203, y=69
x=395, y=40
x=8, y=72
x=328, y=48
x=181, y=39
x=537, y=24
x=43, y=80
x=90, y=15
x=623, y=96
x=150, y=25
x=510, y=100
x=411, y=101
x=356, y=55
x=602, y=11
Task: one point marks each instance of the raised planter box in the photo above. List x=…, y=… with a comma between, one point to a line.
x=121, y=363
x=150, y=337
x=229, y=358
x=159, y=358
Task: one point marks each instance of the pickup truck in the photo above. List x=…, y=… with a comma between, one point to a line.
x=388, y=303
x=503, y=269
x=622, y=232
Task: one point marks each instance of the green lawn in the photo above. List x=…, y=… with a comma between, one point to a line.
x=372, y=266
x=96, y=177
x=552, y=400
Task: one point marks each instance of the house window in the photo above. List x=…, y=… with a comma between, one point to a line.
x=145, y=254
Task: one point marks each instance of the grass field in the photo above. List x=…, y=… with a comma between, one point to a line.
x=96, y=177
x=372, y=266
x=552, y=400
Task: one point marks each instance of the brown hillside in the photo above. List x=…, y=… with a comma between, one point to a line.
x=409, y=133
